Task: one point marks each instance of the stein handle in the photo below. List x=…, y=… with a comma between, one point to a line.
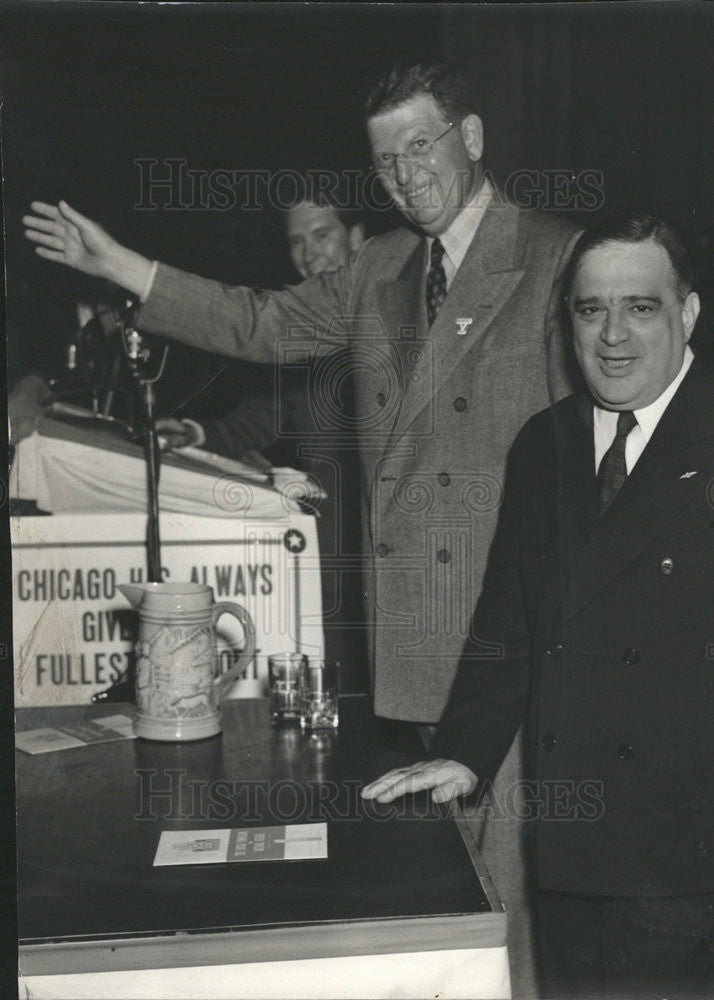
x=239, y=612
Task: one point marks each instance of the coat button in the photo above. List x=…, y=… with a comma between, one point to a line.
x=444, y=478
x=555, y=650
x=630, y=657
x=459, y=404
x=381, y=399
x=382, y=550
x=443, y=555
x=667, y=566
x=548, y=743
x=626, y=752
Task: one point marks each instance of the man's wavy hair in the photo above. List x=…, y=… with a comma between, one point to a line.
x=445, y=82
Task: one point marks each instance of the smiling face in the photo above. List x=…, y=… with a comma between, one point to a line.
x=629, y=323
x=318, y=240
x=432, y=189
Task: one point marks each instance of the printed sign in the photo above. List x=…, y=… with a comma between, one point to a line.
x=74, y=632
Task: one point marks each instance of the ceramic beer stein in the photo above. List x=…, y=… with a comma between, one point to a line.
x=177, y=692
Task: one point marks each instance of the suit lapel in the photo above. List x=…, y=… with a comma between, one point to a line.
x=401, y=302
x=402, y=308
x=658, y=489
x=577, y=510
x=480, y=288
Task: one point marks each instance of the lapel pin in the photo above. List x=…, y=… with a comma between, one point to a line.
x=463, y=325
x=688, y=475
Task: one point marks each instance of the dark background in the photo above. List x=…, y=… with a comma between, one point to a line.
x=623, y=89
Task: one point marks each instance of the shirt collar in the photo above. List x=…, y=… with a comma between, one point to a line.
x=649, y=416
x=457, y=238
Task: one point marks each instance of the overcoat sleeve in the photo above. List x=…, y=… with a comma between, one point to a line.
x=488, y=698
x=251, y=324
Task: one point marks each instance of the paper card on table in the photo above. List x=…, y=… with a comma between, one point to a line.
x=122, y=724
x=301, y=842
x=80, y=734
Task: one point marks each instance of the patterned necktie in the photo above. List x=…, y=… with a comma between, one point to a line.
x=613, y=470
x=435, y=282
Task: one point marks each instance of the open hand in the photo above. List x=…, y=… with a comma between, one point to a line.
x=447, y=779
x=65, y=236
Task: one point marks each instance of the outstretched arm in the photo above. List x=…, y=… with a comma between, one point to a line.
x=65, y=236
x=233, y=320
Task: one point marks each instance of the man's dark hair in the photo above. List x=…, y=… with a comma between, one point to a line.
x=328, y=189
x=444, y=82
x=634, y=228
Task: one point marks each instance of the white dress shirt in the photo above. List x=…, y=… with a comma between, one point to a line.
x=605, y=421
x=457, y=238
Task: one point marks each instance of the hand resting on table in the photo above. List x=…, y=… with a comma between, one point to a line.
x=447, y=780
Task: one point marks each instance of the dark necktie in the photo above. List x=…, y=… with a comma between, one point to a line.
x=613, y=470
x=435, y=282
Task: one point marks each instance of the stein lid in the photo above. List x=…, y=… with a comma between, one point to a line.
x=161, y=597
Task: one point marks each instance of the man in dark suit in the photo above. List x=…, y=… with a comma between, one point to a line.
x=596, y=623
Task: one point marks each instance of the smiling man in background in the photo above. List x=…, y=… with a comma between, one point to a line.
x=322, y=231
x=321, y=234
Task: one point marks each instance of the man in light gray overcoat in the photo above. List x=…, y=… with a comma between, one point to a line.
x=455, y=342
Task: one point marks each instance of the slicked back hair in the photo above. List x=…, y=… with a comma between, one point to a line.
x=634, y=228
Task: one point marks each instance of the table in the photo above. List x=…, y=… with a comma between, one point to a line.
x=401, y=907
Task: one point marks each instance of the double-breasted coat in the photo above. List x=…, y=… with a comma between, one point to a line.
x=436, y=411
x=601, y=631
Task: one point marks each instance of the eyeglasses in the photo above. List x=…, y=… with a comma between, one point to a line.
x=417, y=151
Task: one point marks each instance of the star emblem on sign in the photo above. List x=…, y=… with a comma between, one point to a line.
x=294, y=540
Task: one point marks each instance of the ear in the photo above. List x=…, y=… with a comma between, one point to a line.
x=690, y=311
x=472, y=134
x=356, y=237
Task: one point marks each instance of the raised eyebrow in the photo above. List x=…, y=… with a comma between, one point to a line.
x=580, y=301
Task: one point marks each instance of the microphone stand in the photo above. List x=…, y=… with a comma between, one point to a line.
x=138, y=355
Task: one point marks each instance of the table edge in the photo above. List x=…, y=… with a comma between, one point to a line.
x=268, y=944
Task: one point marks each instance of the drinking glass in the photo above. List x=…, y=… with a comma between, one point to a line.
x=319, y=689
x=283, y=677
